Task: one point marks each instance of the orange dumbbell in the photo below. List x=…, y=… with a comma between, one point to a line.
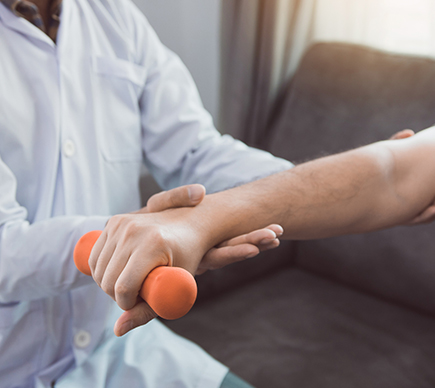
x=170, y=291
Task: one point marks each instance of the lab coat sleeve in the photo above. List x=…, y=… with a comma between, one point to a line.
x=180, y=142
x=36, y=259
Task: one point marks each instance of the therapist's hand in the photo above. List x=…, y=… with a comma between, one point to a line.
x=403, y=134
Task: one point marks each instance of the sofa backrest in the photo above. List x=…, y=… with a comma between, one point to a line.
x=344, y=96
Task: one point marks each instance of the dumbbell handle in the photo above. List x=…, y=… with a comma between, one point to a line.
x=170, y=291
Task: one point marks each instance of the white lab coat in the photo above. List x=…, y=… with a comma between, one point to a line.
x=77, y=119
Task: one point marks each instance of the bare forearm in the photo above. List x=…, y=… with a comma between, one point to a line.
x=374, y=187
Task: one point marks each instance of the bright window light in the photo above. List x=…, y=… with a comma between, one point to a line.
x=401, y=26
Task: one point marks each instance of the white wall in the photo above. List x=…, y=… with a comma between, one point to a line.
x=191, y=28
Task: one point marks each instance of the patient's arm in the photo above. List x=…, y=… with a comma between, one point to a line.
x=369, y=188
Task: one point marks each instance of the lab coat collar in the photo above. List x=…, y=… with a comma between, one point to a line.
x=22, y=26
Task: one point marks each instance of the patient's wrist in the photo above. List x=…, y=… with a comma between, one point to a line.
x=220, y=217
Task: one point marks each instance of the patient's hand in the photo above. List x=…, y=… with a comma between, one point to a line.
x=428, y=215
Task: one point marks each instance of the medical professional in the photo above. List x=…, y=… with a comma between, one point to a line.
x=87, y=94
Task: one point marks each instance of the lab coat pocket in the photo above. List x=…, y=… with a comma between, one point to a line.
x=119, y=84
x=115, y=67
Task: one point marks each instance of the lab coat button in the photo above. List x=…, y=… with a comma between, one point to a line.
x=82, y=339
x=69, y=148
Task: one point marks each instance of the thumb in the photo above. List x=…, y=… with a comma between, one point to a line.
x=184, y=196
x=139, y=315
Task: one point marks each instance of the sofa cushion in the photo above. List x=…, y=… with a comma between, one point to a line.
x=294, y=329
x=341, y=97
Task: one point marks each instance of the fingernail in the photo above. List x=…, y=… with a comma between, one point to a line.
x=126, y=327
x=252, y=255
x=195, y=193
x=267, y=241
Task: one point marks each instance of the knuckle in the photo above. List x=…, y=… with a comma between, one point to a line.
x=156, y=235
x=97, y=279
x=155, y=202
x=132, y=228
x=150, y=204
x=174, y=197
x=115, y=220
x=151, y=199
x=121, y=289
x=96, y=275
x=147, y=315
x=107, y=287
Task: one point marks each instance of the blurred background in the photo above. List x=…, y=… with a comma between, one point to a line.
x=192, y=29
x=251, y=48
